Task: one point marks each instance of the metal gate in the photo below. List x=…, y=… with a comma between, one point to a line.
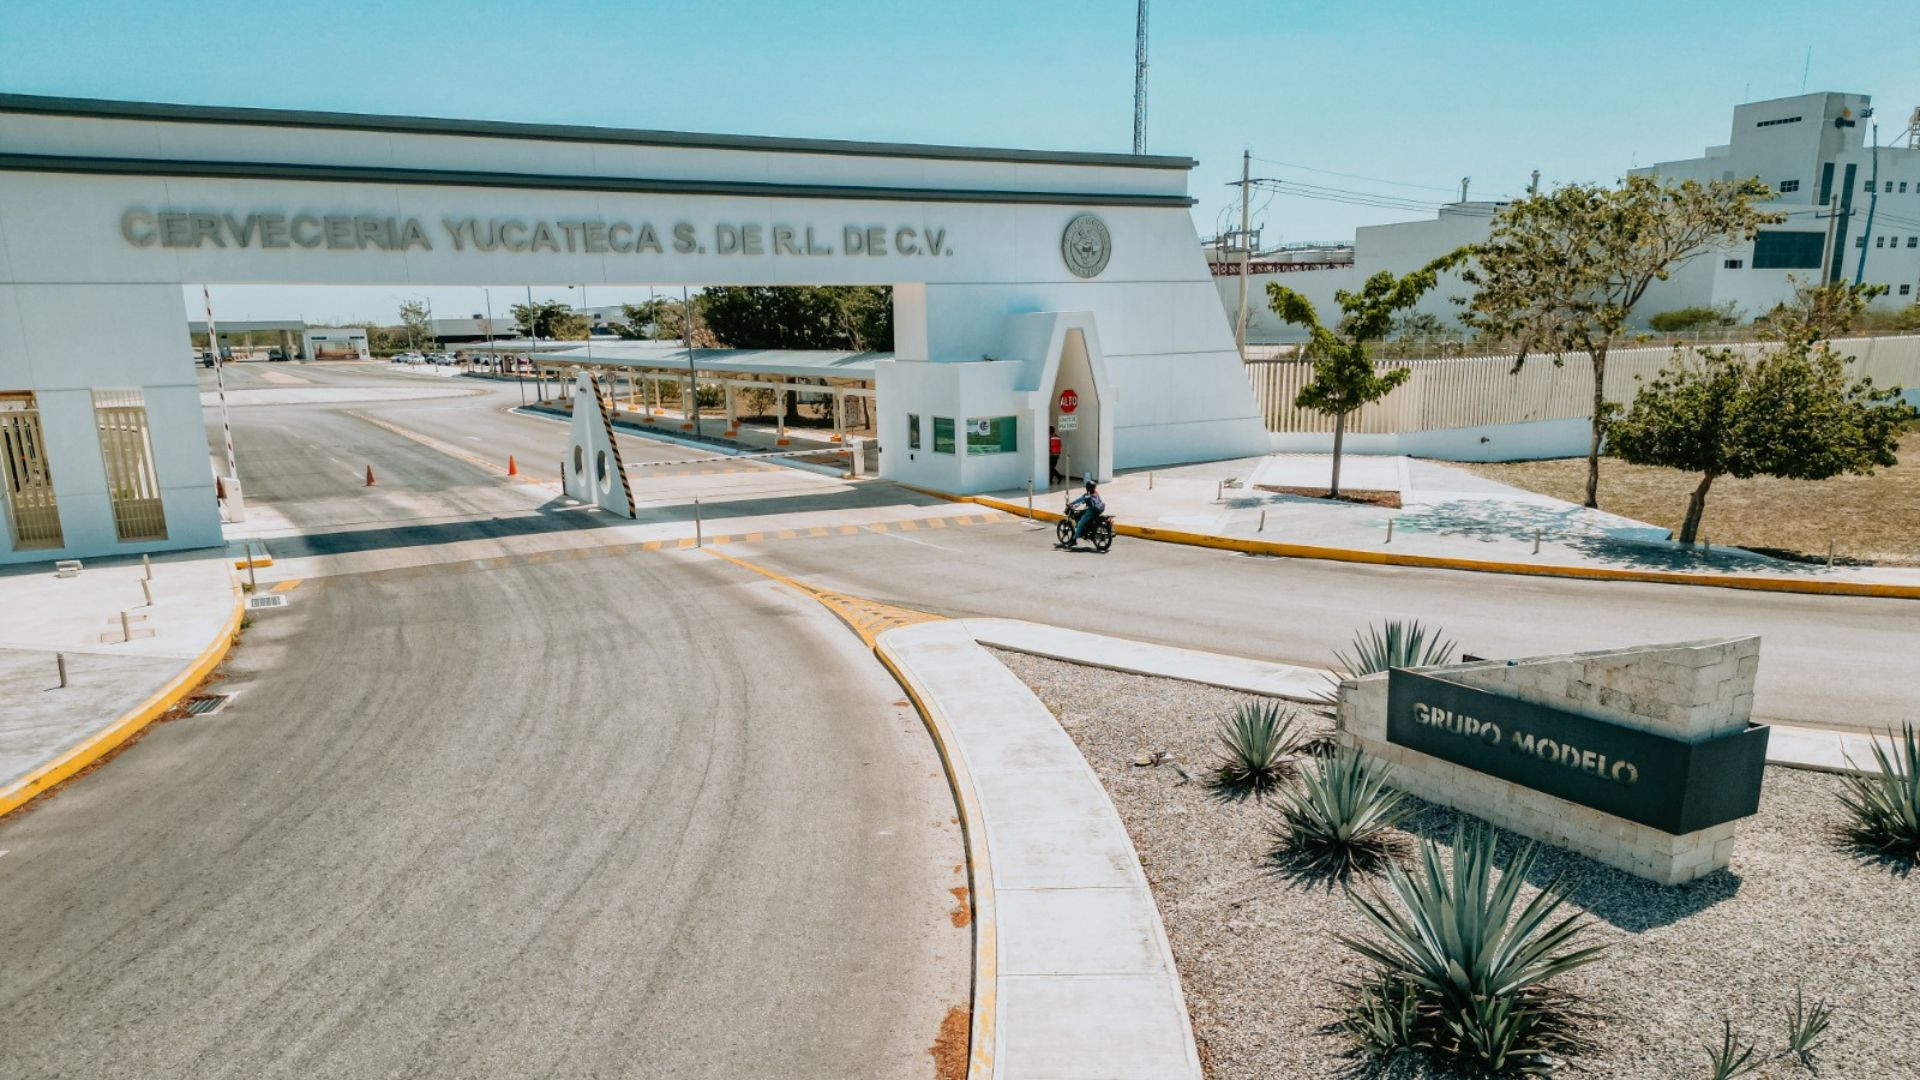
x=25, y=480
x=127, y=453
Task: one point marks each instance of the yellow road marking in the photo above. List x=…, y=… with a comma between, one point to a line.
x=288, y=585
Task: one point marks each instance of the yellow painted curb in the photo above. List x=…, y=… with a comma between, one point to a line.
x=872, y=621
x=33, y=784
x=1437, y=562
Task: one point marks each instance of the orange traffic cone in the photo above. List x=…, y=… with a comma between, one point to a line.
x=369, y=476
x=512, y=469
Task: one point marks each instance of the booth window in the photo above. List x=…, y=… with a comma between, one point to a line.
x=127, y=453
x=943, y=434
x=913, y=431
x=992, y=435
x=26, y=484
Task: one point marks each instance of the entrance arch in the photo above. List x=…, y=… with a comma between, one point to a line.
x=108, y=209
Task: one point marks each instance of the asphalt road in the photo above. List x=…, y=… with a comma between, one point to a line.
x=645, y=815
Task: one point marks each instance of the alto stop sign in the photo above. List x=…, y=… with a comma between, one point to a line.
x=1069, y=401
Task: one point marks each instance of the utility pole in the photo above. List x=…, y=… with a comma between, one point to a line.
x=693, y=374
x=1140, y=80
x=1246, y=251
x=1829, y=258
x=533, y=350
x=1873, y=200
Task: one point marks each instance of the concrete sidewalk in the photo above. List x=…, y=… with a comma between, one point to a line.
x=1447, y=513
x=1073, y=974
x=47, y=732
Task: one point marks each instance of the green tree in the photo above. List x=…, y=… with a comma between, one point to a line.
x=1791, y=412
x=419, y=328
x=551, y=320
x=1562, y=270
x=1344, y=378
x=853, y=317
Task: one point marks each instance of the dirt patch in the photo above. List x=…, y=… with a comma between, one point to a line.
x=1868, y=519
x=949, y=1047
x=1258, y=959
x=1365, y=496
x=962, y=913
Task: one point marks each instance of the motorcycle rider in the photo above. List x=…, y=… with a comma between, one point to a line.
x=1087, y=510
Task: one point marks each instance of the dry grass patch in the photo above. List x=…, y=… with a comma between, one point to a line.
x=1869, y=519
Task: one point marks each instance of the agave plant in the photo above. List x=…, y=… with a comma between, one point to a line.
x=1806, y=1027
x=1483, y=968
x=1885, y=806
x=1732, y=1057
x=1385, y=1019
x=1392, y=644
x=1257, y=746
x=1340, y=817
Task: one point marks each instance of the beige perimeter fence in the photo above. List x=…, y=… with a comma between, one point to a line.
x=1483, y=391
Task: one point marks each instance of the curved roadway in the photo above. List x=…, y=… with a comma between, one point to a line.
x=637, y=816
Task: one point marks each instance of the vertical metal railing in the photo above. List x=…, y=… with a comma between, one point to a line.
x=26, y=481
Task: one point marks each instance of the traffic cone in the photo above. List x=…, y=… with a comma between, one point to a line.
x=512, y=469
x=369, y=476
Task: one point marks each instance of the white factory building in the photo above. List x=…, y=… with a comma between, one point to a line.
x=1812, y=150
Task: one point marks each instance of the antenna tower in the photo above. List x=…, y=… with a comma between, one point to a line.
x=1140, y=81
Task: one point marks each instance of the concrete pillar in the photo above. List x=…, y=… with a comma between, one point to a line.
x=839, y=415
x=733, y=424
x=780, y=410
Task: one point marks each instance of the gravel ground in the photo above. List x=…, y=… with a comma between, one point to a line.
x=1257, y=957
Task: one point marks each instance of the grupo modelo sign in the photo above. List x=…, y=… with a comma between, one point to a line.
x=145, y=227
x=1665, y=783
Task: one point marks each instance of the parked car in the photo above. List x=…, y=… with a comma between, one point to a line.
x=276, y=354
x=408, y=358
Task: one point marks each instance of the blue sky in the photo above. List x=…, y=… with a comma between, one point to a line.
x=1417, y=93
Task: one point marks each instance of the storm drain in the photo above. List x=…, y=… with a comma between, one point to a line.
x=259, y=603
x=207, y=704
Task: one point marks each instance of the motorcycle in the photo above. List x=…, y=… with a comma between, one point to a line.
x=1099, y=534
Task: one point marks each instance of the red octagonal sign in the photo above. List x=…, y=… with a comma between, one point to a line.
x=1069, y=401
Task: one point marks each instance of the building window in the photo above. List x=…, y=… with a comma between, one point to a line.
x=1906, y=290
x=992, y=435
x=1859, y=241
x=1782, y=249
x=1869, y=184
x=1789, y=185
x=943, y=434
x=1879, y=241
x=26, y=484
x=1734, y=264
x=1903, y=187
x=1913, y=241
x=913, y=431
x=127, y=453
x=1775, y=123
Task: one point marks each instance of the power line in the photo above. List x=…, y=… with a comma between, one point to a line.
x=1359, y=176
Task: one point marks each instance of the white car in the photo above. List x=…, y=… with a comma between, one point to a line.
x=408, y=358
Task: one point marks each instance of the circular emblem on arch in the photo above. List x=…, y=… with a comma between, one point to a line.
x=1086, y=246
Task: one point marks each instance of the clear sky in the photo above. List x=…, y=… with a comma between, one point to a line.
x=1417, y=93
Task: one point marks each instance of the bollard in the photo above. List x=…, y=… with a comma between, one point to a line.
x=61, y=659
x=1263, y=522
x=252, y=585
x=1829, y=554
x=146, y=589
x=1219, y=491
x=126, y=627
x=1149, y=479
x=1707, y=543
x=1029, y=500
x=1389, y=530
x=697, y=540
x=147, y=565
x=1536, y=541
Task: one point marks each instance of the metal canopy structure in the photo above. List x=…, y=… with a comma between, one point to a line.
x=786, y=363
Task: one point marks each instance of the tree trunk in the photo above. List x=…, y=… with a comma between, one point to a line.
x=1599, y=359
x=1696, y=509
x=1339, y=436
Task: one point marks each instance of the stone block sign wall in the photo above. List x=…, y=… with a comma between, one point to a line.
x=1693, y=692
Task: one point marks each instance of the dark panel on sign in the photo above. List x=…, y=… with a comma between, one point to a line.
x=1666, y=783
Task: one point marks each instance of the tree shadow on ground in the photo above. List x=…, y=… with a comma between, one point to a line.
x=1502, y=521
